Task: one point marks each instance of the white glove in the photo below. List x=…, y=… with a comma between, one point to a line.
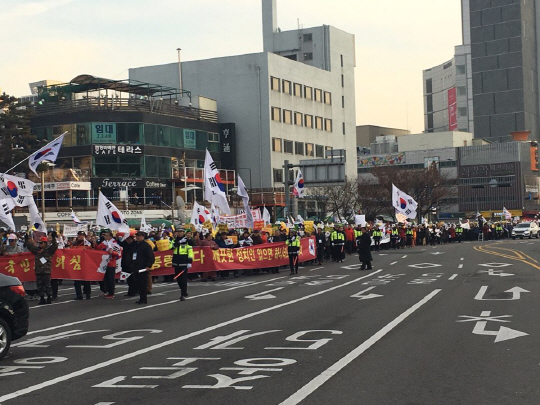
x=189, y=266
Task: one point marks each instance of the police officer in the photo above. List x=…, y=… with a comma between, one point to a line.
x=337, y=239
x=377, y=236
x=459, y=232
x=499, y=230
x=293, y=249
x=409, y=235
x=182, y=260
x=143, y=260
x=320, y=239
x=394, y=237
x=44, y=253
x=357, y=235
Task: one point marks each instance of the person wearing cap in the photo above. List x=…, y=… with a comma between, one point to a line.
x=377, y=236
x=364, y=250
x=337, y=239
x=320, y=241
x=12, y=247
x=293, y=249
x=128, y=247
x=182, y=261
x=44, y=253
x=143, y=260
x=81, y=286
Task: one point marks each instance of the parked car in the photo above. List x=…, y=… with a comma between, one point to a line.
x=525, y=230
x=14, y=312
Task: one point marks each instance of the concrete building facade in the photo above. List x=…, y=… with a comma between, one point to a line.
x=366, y=134
x=293, y=101
x=504, y=41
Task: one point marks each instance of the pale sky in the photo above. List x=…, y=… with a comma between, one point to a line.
x=395, y=41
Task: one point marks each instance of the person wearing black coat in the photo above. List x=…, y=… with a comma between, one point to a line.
x=143, y=260
x=364, y=250
x=320, y=239
x=128, y=247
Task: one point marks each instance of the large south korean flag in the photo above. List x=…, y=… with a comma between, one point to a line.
x=403, y=203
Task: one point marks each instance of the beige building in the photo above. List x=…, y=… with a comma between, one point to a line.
x=439, y=140
x=366, y=134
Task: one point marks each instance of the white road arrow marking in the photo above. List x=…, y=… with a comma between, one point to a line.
x=263, y=295
x=501, y=335
x=365, y=297
x=499, y=273
x=516, y=294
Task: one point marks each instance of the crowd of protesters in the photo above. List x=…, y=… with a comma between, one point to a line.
x=134, y=252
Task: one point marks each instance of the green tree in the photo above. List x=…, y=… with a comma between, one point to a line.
x=15, y=138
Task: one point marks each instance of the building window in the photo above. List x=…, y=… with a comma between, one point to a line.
x=276, y=144
x=429, y=103
x=342, y=127
x=461, y=91
x=298, y=90
x=342, y=81
x=287, y=116
x=298, y=118
x=430, y=121
x=276, y=114
x=213, y=137
x=308, y=56
x=341, y=60
x=287, y=87
x=318, y=123
x=327, y=98
x=308, y=37
x=429, y=86
x=308, y=92
x=328, y=149
x=318, y=95
x=288, y=146
x=460, y=69
x=278, y=175
x=342, y=101
x=299, y=148
x=319, y=151
x=462, y=111
x=328, y=125
x=308, y=121
x=274, y=83
x=310, y=151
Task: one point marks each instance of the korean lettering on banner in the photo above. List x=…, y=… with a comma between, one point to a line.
x=83, y=264
x=190, y=139
x=103, y=132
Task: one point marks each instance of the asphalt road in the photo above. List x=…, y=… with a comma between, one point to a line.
x=451, y=324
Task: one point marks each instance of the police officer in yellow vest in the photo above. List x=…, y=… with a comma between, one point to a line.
x=377, y=236
x=499, y=230
x=293, y=249
x=182, y=259
x=410, y=234
x=394, y=237
x=357, y=234
x=459, y=232
x=337, y=239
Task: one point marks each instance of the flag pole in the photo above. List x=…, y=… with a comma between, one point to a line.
x=29, y=156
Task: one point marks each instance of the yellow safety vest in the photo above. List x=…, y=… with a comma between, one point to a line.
x=184, y=250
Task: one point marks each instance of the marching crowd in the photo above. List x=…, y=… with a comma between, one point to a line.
x=135, y=252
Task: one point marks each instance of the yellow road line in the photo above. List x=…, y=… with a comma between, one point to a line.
x=520, y=256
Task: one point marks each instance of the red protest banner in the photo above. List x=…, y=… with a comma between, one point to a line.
x=83, y=264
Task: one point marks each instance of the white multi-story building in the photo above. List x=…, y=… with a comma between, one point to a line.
x=291, y=102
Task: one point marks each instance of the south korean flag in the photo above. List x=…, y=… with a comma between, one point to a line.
x=110, y=217
x=6, y=205
x=13, y=186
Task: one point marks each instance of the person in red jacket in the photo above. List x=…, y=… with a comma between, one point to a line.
x=349, y=239
x=111, y=246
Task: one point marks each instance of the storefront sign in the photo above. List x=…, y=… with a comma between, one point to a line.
x=103, y=132
x=495, y=169
x=117, y=150
x=119, y=182
x=190, y=139
x=227, y=144
x=65, y=185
